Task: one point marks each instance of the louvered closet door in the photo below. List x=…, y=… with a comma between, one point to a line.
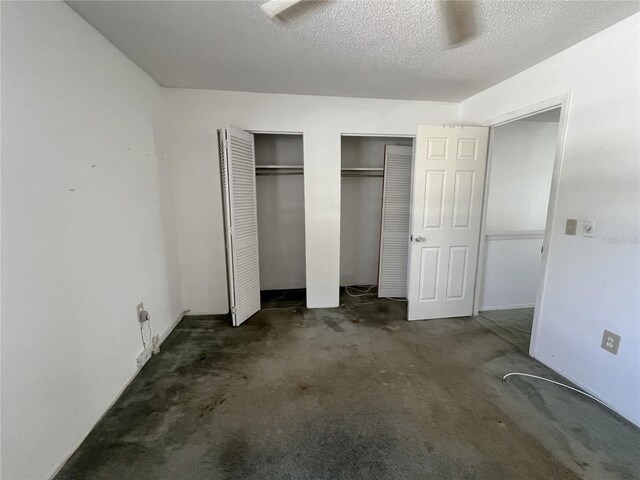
x=239, y=185
x=394, y=238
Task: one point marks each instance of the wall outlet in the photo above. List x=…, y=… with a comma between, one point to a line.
x=610, y=342
x=144, y=357
x=139, y=309
x=571, y=227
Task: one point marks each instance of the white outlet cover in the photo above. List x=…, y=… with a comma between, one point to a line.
x=587, y=228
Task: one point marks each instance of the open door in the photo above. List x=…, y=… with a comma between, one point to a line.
x=394, y=236
x=446, y=211
x=237, y=161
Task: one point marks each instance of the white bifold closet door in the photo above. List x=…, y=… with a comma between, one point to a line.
x=394, y=236
x=237, y=158
x=448, y=183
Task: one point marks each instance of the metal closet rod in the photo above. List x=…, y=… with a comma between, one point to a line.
x=272, y=174
x=363, y=175
x=270, y=170
x=362, y=171
x=279, y=167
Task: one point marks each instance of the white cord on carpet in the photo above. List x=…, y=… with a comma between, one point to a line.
x=363, y=292
x=504, y=379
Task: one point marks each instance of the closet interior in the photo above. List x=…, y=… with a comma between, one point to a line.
x=375, y=210
x=280, y=215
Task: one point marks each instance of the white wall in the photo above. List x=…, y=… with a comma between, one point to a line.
x=361, y=209
x=522, y=156
x=194, y=116
x=84, y=237
x=511, y=271
x=592, y=283
x=280, y=206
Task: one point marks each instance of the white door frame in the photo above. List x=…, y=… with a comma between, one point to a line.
x=413, y=159
x=561, y=101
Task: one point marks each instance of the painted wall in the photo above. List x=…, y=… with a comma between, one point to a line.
x=193, y=117
x=522, y=156
x=592, y=282
x=511, y=271
x=361, y=209
x=84, y=236
x=280, y=214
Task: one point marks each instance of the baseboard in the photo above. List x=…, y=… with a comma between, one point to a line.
x=162, y=338
x=202, y=314
x=506, y=307
x=590, y=391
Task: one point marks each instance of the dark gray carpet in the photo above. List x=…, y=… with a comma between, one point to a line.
x=355, y=392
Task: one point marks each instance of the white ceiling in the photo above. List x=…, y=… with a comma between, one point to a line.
x=378, y=49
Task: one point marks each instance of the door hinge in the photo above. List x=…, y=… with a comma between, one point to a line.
x=233, y=310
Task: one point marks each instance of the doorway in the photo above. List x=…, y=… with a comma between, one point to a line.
x=374, y=217
x=280, y=211
x=520, y=173
x=263, y=205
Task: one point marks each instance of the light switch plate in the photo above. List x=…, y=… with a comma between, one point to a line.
x=610, y=342
x=572, y=226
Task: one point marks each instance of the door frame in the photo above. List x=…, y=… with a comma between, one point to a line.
x=301, y=134
x=413, y=138
x=560, y=101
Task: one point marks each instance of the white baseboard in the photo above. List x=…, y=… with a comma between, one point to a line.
x=590, y=391
x=506, y=307
x=201, y=314
x=162, y=338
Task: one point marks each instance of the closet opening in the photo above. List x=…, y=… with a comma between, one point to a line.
x=279, y=165
x=374, y=217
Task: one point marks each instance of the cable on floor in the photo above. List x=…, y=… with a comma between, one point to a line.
x=359, y=290
x=504, y=379
x=363, y=292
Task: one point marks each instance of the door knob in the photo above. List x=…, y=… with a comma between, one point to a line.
x=419, y=238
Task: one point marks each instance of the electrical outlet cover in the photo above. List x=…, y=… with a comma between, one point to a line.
x=571, y=227
x=610, y=342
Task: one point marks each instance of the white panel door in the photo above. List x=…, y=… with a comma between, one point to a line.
x=238, y=173
x=446, y=209
x=394, y=237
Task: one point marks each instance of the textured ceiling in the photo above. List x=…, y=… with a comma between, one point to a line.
x=378, y=49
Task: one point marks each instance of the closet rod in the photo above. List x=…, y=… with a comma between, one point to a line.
x=362, y=169
x=279, y=167
x=270, y=174
x=363, y=174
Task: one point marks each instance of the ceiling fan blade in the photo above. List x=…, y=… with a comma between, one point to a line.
x=273, y=8
x=459, y=21
x=286, y=10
